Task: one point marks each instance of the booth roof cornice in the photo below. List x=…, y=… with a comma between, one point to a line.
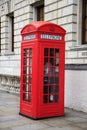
x=37, y=26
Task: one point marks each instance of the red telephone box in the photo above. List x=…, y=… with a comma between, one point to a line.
x=42, y=70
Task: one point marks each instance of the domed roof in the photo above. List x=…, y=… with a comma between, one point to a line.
x=42, y=26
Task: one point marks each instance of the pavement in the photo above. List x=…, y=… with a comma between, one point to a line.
x=11, y=120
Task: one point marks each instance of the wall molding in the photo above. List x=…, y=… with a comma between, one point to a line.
x=76, y=67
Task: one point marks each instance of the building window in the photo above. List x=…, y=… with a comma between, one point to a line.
x=0, y=35
x=10, y=32
x=40, y=13
x=84, y=22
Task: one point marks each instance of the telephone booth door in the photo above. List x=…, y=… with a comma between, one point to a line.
x=26, y=80
x=51, y=81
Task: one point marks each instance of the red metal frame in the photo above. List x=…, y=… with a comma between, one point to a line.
x=46, y=98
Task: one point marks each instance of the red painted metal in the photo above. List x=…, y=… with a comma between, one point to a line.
x=42, y=70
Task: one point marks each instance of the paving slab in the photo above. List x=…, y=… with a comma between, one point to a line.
x=32, y=126
x=77, y=119
x=57, y=122
x=64, y=128
x=9, y=118
x=5, y=129
x=81, y=125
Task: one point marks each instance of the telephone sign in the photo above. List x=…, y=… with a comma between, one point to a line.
x=29, y=37
x=51, y=37
x=42, y=70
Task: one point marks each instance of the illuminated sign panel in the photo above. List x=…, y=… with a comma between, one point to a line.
x=29, y=37
x=51, y=37
x=44, y=36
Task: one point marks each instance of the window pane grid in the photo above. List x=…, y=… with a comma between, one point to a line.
x=0, y=35
x=27, y=75
x=51, y=75
x=84, y=22
x=40, y=13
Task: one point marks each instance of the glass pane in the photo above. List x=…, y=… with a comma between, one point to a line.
x=55, y=98
x=27, y=88
x=25, y=96
x=30, y=88
x=51, y=61
x=29, y=98
x=40, y=13
x=51, y=98
x=52, y=52
x=25, y=61
x=50, y=89
x=46, y=89
x=86, y=36
x=46, y=52
x=30, y=61
x=46, y=62
x=56, y=61
x=56, y=69
x=86, y=23
x=25, y=79
x=52, y=70
x=56, y=80
x=86, y=7
x=30, y=79
x=25, y=52
x=25, y=70
x=46, y=66
x=30, y=52
x=56, y=89
x=30, y=70
x=51, y=80
x=57, y=52
x=24, y=87
x=46, y=99
x=45, y=80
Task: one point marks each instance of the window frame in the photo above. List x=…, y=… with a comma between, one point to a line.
x=0, y=35
x=10, y=49
x=36, y=7
x=84, y=24
x=40, y=13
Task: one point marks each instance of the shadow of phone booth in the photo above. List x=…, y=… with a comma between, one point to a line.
x=42, y=70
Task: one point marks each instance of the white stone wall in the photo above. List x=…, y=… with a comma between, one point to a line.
x=76, y=89
x=66, y=13
x=10, y=83
x=10, y=62
x=62, y=12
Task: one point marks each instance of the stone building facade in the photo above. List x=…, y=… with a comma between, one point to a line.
x=72, y=16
